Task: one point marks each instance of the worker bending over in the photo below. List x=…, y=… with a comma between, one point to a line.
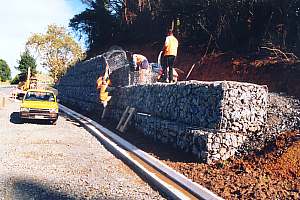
x=142, y=65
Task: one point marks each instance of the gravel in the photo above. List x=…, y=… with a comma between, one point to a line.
x=42, y=161
x=283, y=115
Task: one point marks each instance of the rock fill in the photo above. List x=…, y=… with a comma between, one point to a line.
x=208, y=119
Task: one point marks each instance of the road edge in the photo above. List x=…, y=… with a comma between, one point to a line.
x=120, y=146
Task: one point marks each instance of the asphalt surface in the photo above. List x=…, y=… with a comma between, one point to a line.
x=64, y=161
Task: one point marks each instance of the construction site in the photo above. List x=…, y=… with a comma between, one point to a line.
x=239, y=138
x=150, y=99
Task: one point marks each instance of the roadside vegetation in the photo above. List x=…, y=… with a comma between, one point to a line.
x=56, y=49
x=26, y=61
x=5, y=73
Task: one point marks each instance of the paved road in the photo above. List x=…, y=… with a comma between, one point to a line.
x=7, y=89
x=42, y=161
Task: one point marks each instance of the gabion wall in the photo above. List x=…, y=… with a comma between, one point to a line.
x=230, y=106
x=208, y=119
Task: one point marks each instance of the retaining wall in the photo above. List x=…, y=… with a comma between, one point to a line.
x=208, y=119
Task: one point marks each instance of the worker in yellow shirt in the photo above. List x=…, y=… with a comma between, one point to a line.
x=169, y=55
x=103, y=83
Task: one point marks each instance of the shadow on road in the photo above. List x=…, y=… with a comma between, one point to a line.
x=27, y=189
x=15, y=119
x=70, y=119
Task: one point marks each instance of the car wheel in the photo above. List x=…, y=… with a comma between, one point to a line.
x=53, y=122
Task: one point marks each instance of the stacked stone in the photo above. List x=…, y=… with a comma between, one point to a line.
x=207, y=145
x=244, y=107
x=219, y=145
x=222, y=114
x=193, y=102
x=78, y=86
x=208, y=119
x=120, y=77
x=222, y=105
x=141, y=78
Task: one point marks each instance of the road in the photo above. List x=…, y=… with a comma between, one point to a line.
x=6, y=90
x=63, y=161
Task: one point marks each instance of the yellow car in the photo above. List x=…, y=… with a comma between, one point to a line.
x=39, y=104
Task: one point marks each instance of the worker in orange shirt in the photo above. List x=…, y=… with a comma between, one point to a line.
x=169, y=55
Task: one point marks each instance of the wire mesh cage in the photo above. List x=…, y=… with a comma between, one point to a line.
x=122, y=72
x=116, y=58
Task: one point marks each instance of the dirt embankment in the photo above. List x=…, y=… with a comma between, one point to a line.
x=271, y=173
x=278, y=74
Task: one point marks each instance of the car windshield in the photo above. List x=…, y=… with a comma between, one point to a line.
x=39, y=96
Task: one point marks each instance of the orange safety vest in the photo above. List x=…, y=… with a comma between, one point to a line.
x=171, y=45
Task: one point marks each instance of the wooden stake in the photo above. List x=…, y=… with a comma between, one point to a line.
x=131, y=112
x=123, y=117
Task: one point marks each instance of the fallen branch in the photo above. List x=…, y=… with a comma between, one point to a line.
x=292, y=55
x=275, y=51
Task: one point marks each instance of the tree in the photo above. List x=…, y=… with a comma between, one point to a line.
x=4, y=71
x=15, y=80
x=26, y=61
x=57, y=50
x=96, y=23
x=242, y=26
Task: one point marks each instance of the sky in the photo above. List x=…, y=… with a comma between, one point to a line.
x=19, y=19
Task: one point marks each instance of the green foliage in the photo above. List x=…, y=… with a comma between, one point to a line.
x=4, y=71
x=19, y=78
x=243, y=25
x=57, y=48
x=27, y=61
x=238, y=25
x=96, y=22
